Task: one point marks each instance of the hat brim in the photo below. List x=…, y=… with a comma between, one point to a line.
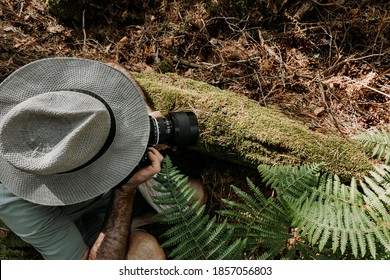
x=119, y=160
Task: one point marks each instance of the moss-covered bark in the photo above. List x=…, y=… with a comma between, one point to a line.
x=237, y=129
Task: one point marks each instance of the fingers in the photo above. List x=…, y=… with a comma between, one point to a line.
x=146, y=173
x=155, y=159
x=161, y=147
x=155, y=114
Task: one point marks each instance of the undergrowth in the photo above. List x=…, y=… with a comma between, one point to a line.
x=312, y=216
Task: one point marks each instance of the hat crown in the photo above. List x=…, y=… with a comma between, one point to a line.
x=54, y=132
x=73, y=179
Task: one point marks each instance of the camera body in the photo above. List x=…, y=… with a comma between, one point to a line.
x=177, y=129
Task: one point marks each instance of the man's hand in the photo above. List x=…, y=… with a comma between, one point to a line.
x=145, y=173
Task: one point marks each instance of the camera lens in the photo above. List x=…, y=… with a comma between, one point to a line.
x=158, y=130
x=177, y=129
x=185, y=128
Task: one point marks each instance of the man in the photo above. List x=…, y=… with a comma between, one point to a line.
x=72, y=132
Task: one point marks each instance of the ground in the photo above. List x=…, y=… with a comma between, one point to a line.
x=323, y=63
x=326, y=65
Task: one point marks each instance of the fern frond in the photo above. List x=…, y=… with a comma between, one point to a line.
x=343, y=215
x=261, y=221
x=314, y=215
x=193, y=234
x=377, y=190
x=353, y=219
x=291, y=180
x=376, y=142
x=10, y=254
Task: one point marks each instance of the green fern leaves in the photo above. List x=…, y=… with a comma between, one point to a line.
x=259, y=220
x=350, y=218
x=294, y=182
x=192, y=234
x=313, y=214
x=377, y=142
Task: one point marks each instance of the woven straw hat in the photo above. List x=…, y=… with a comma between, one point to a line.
x=70, y=130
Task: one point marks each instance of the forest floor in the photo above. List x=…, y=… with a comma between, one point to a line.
x=323, y=63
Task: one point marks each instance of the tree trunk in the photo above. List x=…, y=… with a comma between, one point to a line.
x=240, y=130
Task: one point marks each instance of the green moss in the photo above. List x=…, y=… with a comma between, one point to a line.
x=238, y=129
x=164, y=67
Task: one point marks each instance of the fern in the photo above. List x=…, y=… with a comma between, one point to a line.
x=193, y=234
x=313, y=216
x=260, y=220
x=291, y=181
x=10, y=254
x=376, y=142
x=333, y=215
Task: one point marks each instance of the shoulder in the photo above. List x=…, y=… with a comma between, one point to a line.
x=47, y=228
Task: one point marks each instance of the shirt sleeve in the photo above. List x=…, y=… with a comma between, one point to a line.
x=47, y=228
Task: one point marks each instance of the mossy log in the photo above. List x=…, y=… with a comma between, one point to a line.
x=238, y=129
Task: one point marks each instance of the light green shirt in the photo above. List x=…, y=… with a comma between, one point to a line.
x=50, y=229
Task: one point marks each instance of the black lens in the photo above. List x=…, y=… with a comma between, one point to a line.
x=184, y=129
x=179, y=129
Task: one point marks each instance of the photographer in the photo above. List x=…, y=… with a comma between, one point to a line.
x=72, y=134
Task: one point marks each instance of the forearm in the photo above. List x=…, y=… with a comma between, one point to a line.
x=111, y=243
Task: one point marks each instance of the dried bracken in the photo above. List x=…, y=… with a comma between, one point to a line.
x=305, y=57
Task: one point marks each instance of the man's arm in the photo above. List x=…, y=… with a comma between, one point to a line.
x=112, y=241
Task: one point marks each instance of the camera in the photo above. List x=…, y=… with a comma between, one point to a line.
x=177, y=129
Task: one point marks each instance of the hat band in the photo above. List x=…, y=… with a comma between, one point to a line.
x=111, y=134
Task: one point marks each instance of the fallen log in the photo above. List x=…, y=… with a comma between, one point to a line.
x=238, y=129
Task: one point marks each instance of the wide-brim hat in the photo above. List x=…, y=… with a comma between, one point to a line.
x=70, y=130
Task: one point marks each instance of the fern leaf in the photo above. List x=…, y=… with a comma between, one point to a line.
x=371, y=244
x=372, y=200
x=192, y=234
x=261, y=221
x=343, y=241
x=362, y=244
x=376, y=142
x=291, y=180
x=233, y=251
x=338, y=226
